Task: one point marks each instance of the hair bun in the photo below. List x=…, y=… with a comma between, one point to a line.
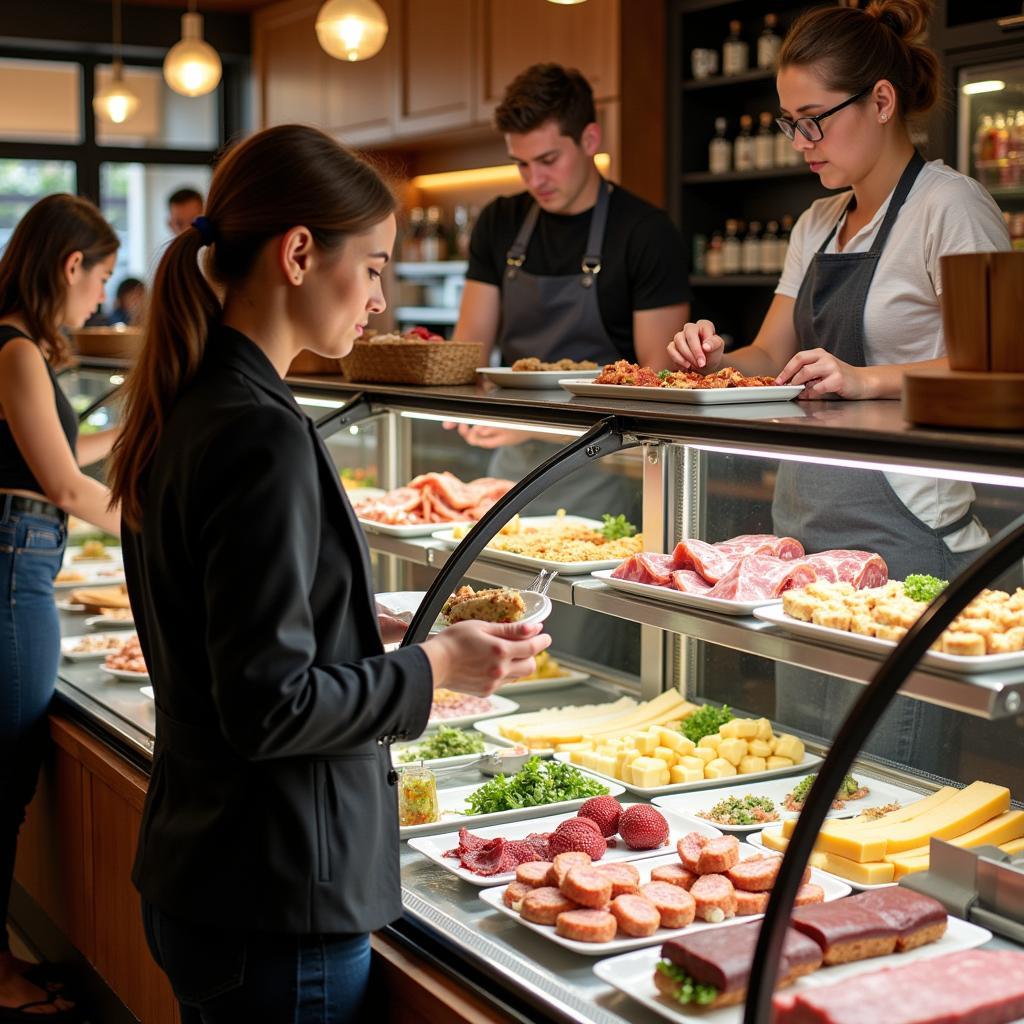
x=907, y=18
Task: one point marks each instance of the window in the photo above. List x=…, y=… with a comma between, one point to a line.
x=49, y=101
x=22, y=182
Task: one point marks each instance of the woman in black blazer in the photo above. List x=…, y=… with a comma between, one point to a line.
x=269, y=841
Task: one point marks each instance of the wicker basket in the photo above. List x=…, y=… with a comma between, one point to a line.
x=413, y=362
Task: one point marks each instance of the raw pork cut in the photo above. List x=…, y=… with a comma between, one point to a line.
x=689, y=582
x=434, y=498
x=647, y=567
x=863, y=569
x=713, y=561
x=762, y=577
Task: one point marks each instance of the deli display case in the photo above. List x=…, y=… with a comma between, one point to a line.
x=685, y=474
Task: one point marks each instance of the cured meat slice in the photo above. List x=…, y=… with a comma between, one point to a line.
x=707, y=559
x=434, y=498
x=496, y=856
x=762, y=577
x=636, y=915
x=689, y=581
x=715, y=898
x=863, y=569
x=586, y=925
x=646, y=567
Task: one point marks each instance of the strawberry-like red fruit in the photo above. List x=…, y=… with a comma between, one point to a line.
x=643, y=828
x=580, y=835
x=605, y=811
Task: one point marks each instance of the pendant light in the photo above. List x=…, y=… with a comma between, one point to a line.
x=567, y=3
x=116, y=102
x=351, y=29
x=192, y=66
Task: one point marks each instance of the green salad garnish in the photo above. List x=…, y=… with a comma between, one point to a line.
x=799, y=795
x=689, y=991
x=923, y=588
x=446, y=742
x=705, y=721
x=537, y=782
x=616, y=527
x=662, y=374
x=747, y=810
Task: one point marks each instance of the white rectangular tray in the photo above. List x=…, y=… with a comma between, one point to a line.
x=754, y=838
x=685, y=396
x=668, y=595
x=554, y=683
x=408, y=530
x=492, y=897
x=548, y=380
x=633, y=974
x=67, y=644
x=434, y=847
x=691, y=804
x=871, y=644
x=106, y=620
x=808, y=764
x=114, y=558
x=525, y=562
x=438, y=762
x=499, y=706
x=453, y=801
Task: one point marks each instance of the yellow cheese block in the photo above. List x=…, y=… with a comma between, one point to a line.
x=739, y=728
x=693, y=763
x=705, y=754
x=870, y=873
x=859, y=825
x=1001, y=829
x=719, y=769
x=764, y=729
x=648, y=771
x=773, y=839
x=760, y=748
x=750, y=764
x=711, y=741
x=684, y=773
x=1013, y=847
x=666, y=754
x=733, y=750
x=675, y=740
x=791, y=747
x=778, y=762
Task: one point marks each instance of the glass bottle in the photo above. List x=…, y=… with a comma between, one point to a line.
x=783, y=149
x=769, y=42
x=732, y=248
x=720, y=149
x=700, y=251
x=462, y=233
x=413, y=235
x=434, y=246
x=417, y=797
x=735, y=52
x=751, y=259
x=713, y=257
x=764, y=142
x=769, y=241
x=743, y=146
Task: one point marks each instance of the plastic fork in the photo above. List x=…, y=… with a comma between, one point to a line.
x=542, y=582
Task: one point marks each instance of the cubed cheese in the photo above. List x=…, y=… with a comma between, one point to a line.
x=667, y=755
x=759, y=748
x=711, y=741
x=648, y=771
x=733, y=750
x=705, y=753
x=750, y=764
x=791, y=747
x=687, y=773
x=719, y=769
x=764, y=729
x=778, y=762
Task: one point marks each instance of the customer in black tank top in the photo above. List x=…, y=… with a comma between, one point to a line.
x=52, y=275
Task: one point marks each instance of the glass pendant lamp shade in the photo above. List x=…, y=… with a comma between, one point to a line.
x=567, y=3
x=116, y=102
x=192, y=66
x=351, y=29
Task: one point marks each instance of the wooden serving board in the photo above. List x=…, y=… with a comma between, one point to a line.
x=958, y=398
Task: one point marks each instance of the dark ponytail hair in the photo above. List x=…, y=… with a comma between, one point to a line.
x=263, y=187
x=32, y=284
x=854, y=49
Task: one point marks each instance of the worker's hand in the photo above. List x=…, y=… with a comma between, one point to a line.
x=697, y=347
x=480, y=435
x=476, y=657
x=824, y=376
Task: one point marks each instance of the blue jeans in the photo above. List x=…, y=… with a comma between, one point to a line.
x=31, y=551
x=223, y=976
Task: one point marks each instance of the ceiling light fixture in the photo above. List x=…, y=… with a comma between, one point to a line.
x=116, y=102
x=567, y=3
x=351, y=29
x=192, y=66
x=990, y=85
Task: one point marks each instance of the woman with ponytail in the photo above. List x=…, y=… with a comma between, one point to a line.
x=269, y=841
x=858, y=305
x=52, y=275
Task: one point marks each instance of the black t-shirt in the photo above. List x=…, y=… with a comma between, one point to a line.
x=643, y=262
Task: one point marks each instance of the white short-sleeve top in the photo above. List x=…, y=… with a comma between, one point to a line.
x=945, y=212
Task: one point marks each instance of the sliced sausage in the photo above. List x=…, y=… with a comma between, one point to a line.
x=564, y=861
x=514, y=893
x=757, y=874
x=588, y=887
x=637, y=915
x=586, y=925
x=675, y=874
x=809, y=893
x=689, y=849
x=715, y=898
x=750, y=902
x=718, y=855
x=675, y=905
x=533, y=873
x=625, y=877
x=543, y=905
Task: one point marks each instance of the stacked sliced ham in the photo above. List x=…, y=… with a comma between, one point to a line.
x=753, y=567
x=434, y=498
x=498, y=855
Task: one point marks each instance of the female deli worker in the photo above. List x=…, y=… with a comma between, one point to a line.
x=269, y=840
x=858, y=302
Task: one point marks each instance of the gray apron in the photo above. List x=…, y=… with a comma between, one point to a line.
x=827, y=506
x=558, y=317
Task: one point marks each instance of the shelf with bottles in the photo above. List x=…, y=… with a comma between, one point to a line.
x=765, y=152
x=428, y=238
x=751, y=252
x=736, y=66
x=710, y=178
x=721, y=81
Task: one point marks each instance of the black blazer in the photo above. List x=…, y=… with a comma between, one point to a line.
x=269, y=805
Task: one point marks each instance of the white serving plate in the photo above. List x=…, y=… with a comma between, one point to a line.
x=808, y=764
x=438, y=762
x=492, y=897
x=499, y=706
x=67, y=644
x=363, y=493
x=113, y=558
x=633, y=974
x=754, y=838
x=408, y=530
x=120, y=673
x=434, y=847
x=69, y=606
x=871, y=644
x=530, y=685
x=402, y=604
x=94, y=577
x=490, y=729
x=452, y=803
x=525, y=562
x=147, y=691
x=106, y=620
x=668, y=595
x=685, y=396
x=548, y=380
x=691, y=804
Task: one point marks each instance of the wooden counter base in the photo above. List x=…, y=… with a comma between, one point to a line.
x=952, y=398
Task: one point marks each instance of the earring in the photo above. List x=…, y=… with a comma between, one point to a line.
x=884, y=118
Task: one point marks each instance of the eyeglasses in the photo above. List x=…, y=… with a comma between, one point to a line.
x=810, y=127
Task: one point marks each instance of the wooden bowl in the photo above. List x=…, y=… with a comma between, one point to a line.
x=119, y=342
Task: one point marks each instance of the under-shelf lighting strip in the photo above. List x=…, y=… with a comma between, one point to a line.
x=529, y=428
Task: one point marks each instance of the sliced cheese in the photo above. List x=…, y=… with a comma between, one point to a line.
x=773, y=839
x=897, y=817
x=1013, y=847
x=870, y=873
x=1001, y=829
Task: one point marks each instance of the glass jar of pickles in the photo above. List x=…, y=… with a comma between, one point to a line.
x=417, y=797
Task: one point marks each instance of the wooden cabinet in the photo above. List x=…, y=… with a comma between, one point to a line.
x=289, y=65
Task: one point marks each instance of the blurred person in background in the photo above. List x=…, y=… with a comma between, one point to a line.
x=183, y=207
x=130, y=302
